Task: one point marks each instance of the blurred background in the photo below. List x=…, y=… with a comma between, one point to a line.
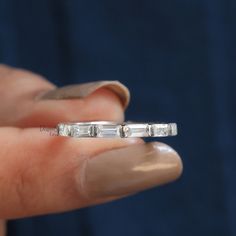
x=179, y=60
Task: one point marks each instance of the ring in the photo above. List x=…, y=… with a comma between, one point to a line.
x=107, y=129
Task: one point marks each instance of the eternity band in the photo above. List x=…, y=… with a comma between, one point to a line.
x=107, y=129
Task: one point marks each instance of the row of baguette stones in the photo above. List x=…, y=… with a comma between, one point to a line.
x=114, y=130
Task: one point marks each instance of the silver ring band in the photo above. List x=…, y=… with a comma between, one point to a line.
x=107, y=129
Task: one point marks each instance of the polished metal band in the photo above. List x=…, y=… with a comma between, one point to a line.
x=107, y=129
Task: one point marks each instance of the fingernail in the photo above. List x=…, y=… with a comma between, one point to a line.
x=83, y=90
x=130, y=170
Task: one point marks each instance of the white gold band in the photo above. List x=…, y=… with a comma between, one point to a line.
x=107, y=129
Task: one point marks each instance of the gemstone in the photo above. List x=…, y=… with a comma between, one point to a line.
x=159, y=130
x=173, y=128
x=107, y=131
x=63, y=130
x=82, y=130
x=135, y=130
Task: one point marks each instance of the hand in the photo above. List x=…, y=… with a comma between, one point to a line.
x=40, y=173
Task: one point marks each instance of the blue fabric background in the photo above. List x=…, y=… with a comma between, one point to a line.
x=179, y=60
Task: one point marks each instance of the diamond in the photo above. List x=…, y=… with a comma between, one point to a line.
x=63, y=130
x=81, y=131
x=173, y=128
x=135, y=130
x=159, y=130
x=108, y=131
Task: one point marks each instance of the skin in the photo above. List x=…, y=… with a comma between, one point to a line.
x=41, y=173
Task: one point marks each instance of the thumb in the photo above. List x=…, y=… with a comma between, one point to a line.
x=42, y=174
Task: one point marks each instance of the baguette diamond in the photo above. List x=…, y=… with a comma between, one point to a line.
x=81, y=131
x=108, y=131
x=135, y=130
x=63, y=130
